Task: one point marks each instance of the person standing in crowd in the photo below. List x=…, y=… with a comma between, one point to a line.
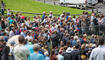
x=29, y=45
x=51, y=14
x=60, y=57
x=28, y=36
x=4, y=50
x=2, y=7
x=67, y=55
x=83, y=52
x=44, y=15
x=11, y=21
x=36, y=55
x=74, y=42
x=20, y=51
x=3, y=23
x=0, y=26
x=23, y=33
x=83, y=25
x=99, y=52
x=11, y=33
x=11, y=53
x=8, y=12
x=5, y=37
x=76, y=55
x=46, y=56
x=53, y=55
x=95, y=21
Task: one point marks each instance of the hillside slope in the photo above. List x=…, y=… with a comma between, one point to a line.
x=37, y=7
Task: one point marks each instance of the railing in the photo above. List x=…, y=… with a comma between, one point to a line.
x=93, y=29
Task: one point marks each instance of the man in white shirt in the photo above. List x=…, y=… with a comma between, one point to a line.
x=20, y=51
x=29, y=36
x=99, y=52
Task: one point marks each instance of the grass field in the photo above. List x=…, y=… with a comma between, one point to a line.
x=38, y=7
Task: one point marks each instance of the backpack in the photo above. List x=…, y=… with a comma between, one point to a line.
x=76, y=55
x=67, y=56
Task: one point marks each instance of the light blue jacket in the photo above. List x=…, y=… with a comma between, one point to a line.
x=36, y=56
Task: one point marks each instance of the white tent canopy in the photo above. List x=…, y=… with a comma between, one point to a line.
x=13, y=38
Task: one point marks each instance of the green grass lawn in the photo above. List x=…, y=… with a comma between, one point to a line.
x=38, y=7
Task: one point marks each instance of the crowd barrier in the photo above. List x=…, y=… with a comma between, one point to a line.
x=93, y=29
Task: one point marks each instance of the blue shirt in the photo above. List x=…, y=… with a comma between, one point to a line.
x=36, y=56
x=9, y=18
x=43, y=17
x=11, y=21
x=5, y=38
x=61, y=23
x=67, y=17
x=74, y=42
x=81, y=40
x=30, y=47
x=23, y=34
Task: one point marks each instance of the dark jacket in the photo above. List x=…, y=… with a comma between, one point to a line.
x=55, y=40
x=4, y=53
x=67, y=56
x=76, y=55
x=95, y=21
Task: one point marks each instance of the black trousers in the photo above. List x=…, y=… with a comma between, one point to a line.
x=2, y=11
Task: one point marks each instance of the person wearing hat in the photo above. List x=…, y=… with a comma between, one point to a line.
x=67, y=55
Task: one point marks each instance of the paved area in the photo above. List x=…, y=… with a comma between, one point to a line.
x=100, y=7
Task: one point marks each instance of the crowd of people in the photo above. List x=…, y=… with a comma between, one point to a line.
x=52, y=38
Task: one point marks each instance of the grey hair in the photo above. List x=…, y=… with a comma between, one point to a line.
x=36, y=47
